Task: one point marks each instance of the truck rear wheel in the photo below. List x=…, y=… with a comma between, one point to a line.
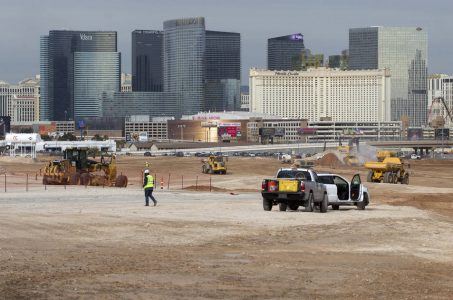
x=121, y=181
x=335, y=206
x=309, y=205
x=282, y=206
x=323, y=205
x=267, y=204
x=386, y=177
x=293, y=206
x=395, y=178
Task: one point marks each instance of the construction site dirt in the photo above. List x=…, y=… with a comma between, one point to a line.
x=210, y=238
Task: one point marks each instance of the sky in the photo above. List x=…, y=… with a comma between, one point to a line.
x=324, y=24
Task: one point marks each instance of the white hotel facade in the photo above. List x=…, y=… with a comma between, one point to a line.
x=316, y=94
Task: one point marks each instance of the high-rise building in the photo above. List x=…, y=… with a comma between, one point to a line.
x=322, y=93
x=45, y=107
x=94, y=73
x=147, y=59
x=339, y=61
x=126, y=82
x=223, y=71
x=57, y=57
x=184, y=61
x=284, y=52
x=404, y=51
x=440, y=85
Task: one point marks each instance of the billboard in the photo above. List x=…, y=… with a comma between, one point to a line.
x=280, y=132
x=143, y=136
x=231, y=130
x=414, y=134
x=442, y=133
x=306, y=130
x=47, y=128
x=266, y=131
x=5, y=126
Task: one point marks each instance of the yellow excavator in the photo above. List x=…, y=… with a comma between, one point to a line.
x=75, y=168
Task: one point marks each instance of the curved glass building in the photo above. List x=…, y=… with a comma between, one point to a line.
x=94, y=73
x=58, y=55
x=184, y=57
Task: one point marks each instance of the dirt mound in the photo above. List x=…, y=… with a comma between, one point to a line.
x=329, y=160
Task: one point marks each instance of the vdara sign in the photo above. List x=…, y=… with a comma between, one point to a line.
x=85, y=37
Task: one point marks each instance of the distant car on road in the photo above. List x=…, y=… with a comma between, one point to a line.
x=147, y=153
x=415, y=156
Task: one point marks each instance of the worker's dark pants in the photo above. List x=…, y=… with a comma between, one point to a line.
x=149, y=194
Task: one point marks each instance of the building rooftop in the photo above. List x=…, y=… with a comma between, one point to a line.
x=228, y=115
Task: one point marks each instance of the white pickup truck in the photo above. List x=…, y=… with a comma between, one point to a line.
x=341, y=192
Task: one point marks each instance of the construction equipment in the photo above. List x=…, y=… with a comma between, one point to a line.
x=439, y=114
x=390, y=170
x=286, y=159
x=382, y=154
x=76, y=168
x=304, y=164
x=214, y=164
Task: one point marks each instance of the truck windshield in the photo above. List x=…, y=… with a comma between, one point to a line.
x=294, y=174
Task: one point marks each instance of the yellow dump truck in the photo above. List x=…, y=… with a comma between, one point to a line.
x=390, y=170
x=381, y=155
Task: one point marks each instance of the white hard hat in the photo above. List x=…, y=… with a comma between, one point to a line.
x=146, y=171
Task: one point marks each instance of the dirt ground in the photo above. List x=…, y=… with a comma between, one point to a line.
x=103, y=243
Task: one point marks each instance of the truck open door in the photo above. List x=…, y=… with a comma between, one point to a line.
x=356, y=188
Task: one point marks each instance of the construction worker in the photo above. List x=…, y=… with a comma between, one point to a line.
x=148, y=186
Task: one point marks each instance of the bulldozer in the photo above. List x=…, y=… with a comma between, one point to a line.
x=75, y=168
x=390, y=170
x=214, y=164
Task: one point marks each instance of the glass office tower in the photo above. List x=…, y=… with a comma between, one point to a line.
x=284, y=52
x=61, y=46
x=403, y=50
x=94, y=73
x=45, y=113
x=184, y=61
x=223, y=71
x=147, y=59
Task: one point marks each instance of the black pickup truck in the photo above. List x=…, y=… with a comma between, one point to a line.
x=293, y=188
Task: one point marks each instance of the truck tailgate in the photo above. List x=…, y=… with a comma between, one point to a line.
x=285, y=185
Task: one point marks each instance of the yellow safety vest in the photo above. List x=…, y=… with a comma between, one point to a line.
x=150, y=182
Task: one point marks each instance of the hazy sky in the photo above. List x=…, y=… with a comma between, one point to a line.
x=324, y=24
